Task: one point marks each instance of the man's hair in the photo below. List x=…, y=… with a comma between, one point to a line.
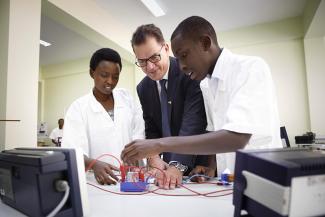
x=60, y=120
x=193, y=27
x=142, y=32
x=107, y=54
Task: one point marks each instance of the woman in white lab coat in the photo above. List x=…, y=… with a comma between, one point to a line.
x=104, y=120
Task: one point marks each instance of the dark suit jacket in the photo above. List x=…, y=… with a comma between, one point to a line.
x=186, y=109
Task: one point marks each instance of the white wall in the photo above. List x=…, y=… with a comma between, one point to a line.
x=21, y=69
x=315, y=66
x=103, y=25
x=315, y=59
x=4, y=26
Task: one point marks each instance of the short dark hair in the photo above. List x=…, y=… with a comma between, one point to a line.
x=142, y=32
x=193, y=27
x=107, y=54
x=60, y=120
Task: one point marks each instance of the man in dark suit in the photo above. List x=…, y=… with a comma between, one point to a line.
x=172, y=104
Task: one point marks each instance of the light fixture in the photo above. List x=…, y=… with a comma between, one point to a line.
x=153, y=7
x=44, y=43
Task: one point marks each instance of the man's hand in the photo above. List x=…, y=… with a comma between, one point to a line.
x=139, y=149
x=170, y=179
x=166, y=177
x=207, y=171
x=104, y=173
x=157, y=163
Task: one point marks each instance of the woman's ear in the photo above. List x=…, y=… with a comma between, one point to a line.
x=91, y=73
x=206, y=42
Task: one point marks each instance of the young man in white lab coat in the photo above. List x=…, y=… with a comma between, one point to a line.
x=57, y=133
x=238, y=93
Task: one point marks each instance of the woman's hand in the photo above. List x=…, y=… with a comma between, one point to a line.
x=104, y=173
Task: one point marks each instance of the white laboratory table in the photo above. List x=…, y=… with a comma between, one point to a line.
x=103, y=204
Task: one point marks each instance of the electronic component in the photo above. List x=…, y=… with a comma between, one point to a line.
x=133, y=180
x=53, y=178
x=307, y=138
x=280, y=182
x=227, y=177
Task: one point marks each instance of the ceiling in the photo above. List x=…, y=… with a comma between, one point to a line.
x=66, y=44
x=129, y=14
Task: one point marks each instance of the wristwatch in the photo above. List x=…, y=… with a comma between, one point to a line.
x=178, y=165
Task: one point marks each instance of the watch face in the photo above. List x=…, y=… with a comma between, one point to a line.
x=183, y=168
x=178, y=166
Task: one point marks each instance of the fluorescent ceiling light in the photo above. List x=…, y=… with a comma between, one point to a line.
x=153, y=7
x=44, y=43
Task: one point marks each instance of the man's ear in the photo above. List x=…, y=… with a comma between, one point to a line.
x=206, y=42
x=91, y=73
x=167, y=48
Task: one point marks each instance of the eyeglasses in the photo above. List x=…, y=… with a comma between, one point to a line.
x=153, y=59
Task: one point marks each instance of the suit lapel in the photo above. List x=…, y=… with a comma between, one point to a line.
x=155, y=96
x=154, y=92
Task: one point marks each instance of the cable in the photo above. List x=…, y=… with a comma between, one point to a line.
x=94, y=161
x=60, y=185
x=195, y=193
x=196, y=175
x=120, y=193
x=154, y=191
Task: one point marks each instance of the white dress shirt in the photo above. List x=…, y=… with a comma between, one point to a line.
x=165, y=77
x=88, y=125
x=240, y=97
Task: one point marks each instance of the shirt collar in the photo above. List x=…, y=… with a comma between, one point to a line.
x=96, y=106
x=166, y=74
x=219, y=72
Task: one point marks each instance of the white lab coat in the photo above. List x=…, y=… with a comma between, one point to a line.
x=88, y=125
x=240, y=97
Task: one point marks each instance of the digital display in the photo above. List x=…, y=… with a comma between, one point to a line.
x=6, y=184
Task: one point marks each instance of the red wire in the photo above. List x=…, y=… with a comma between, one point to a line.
x=94, y=161
x=118, y=193
x=209, y=194
x=221, y=195
x=164, y=194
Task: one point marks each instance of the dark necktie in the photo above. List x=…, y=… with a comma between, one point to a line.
x=164, y=109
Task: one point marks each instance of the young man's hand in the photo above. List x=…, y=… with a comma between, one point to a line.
x=202, y=170
x=139, y=149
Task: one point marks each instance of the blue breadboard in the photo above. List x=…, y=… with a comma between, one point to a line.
x=134, y=186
